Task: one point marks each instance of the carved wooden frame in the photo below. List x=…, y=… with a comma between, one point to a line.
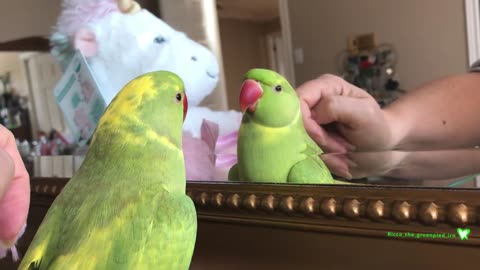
x=371, y=211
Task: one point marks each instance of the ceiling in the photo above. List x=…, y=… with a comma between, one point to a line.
x=252, y=10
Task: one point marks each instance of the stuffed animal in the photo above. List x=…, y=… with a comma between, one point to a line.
x=121, y=41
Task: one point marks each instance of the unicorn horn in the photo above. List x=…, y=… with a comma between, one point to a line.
x=128, y=6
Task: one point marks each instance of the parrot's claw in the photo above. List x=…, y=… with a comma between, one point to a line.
x=5, y=247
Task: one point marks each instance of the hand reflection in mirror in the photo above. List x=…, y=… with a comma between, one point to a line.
x=419, y=165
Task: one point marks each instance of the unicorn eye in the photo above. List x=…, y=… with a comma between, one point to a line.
x=159, y=40
x=194, y=58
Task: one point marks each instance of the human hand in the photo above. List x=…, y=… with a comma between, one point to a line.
x=14, y=192
x=341, y=117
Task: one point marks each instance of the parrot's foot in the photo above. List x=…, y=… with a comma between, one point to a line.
x=4, y=247
x=4, y=251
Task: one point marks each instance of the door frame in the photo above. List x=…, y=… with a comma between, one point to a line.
x=287, y=40
x=472, y=17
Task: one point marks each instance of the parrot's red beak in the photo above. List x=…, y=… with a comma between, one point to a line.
x=185, y=106
x=249, y=95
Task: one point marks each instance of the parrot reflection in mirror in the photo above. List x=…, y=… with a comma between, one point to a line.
x=126, y=207
x=273, y=145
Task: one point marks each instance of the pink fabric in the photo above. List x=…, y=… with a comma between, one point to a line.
x=85, y=41
x=211, y=156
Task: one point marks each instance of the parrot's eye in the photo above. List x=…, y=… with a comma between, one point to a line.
x=194, y=58
x=159, y=40
x=178, y=97
x=278, y=88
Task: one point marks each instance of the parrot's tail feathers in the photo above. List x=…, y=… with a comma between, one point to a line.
x=209, y=133
x=225, y=160
x=227, y=141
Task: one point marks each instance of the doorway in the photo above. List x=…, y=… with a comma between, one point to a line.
x=251, y=37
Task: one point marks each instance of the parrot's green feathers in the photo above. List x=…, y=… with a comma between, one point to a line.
x=126, y=207
x=279, y=105
x=268, y=77
x=137, y=108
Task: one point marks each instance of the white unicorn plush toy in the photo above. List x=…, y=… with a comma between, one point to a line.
x=121, y=41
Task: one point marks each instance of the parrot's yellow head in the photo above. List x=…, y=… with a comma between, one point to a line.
x=149, y=107
x=267, y=98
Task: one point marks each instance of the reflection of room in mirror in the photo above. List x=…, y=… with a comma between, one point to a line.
x=33, y=77
x=251, y=37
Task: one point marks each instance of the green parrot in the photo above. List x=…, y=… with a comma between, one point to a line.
x=126, y=207
x=273, y=145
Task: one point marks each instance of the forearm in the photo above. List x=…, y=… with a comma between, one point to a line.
x=436, y=165
x=442, y=113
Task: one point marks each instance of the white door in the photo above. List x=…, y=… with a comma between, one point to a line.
x=276, y=53
x=199, y=20
x=43, y=72
x=472, y=17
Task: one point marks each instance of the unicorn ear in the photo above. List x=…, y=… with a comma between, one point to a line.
x=85, y=41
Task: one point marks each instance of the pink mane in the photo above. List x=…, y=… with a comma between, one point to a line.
x=77, y=13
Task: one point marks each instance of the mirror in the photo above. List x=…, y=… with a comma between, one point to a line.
x=300, y=40
x=342, y=38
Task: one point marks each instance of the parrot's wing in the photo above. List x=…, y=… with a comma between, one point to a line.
x=311, y=170
x=45, y=234
x=125, y=234
x=312, y=148
x=161, y=234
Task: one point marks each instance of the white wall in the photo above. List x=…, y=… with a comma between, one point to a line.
x=22, y=18
x=429, y=35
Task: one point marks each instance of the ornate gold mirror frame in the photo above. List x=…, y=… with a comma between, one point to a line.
x=371, y=211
